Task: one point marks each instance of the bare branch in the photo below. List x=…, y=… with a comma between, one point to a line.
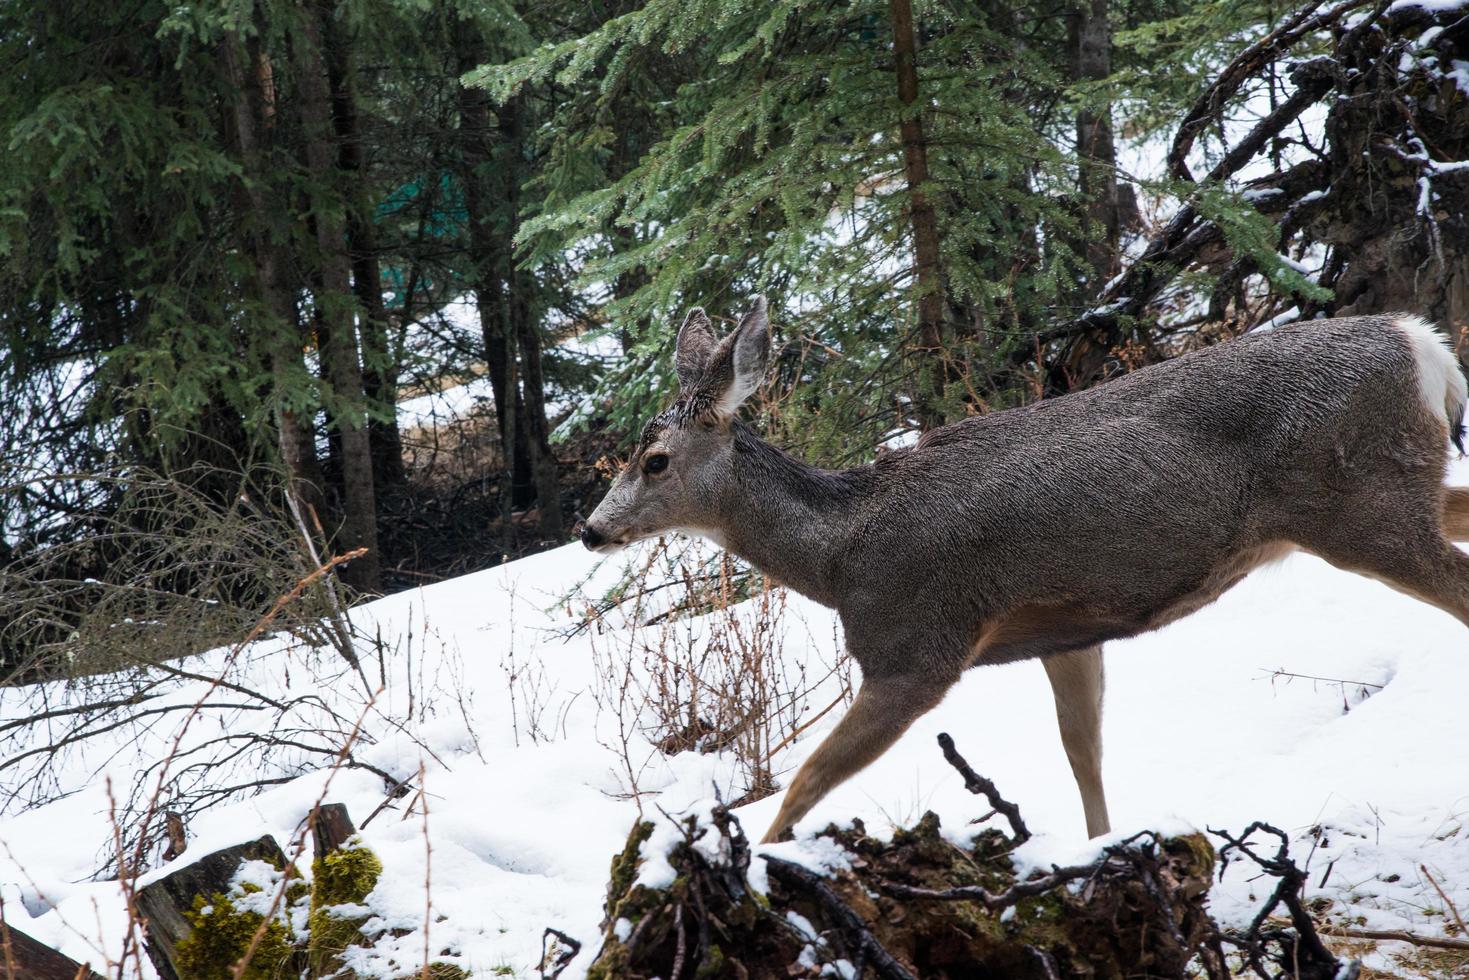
x=981, y=786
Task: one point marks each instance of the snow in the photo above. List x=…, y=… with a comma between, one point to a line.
x=527, y=796
x=1434, y=6
x=450, y=404
x=1279, y=320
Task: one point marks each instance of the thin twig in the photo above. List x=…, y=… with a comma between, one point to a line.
x=1447, y=901
x=805, y=725
x=1282, y=672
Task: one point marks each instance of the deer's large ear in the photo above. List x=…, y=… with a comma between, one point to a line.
x=695, y=344
x=738, y=365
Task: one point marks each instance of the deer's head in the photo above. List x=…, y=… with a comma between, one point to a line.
x=683, y=460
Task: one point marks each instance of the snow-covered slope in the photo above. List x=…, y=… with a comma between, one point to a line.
x=518, y=833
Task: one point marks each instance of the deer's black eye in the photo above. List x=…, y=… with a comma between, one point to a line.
x=655, y=463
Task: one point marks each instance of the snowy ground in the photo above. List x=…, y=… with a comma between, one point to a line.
x=519, y=835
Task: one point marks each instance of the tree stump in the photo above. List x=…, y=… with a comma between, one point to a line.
x=163, y=903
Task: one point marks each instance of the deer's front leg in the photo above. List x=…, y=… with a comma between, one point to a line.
x=1077, y=683
x=881, y=712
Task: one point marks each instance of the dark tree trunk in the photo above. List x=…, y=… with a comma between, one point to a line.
x=630, y=137
x=379, y=370
x=490, y=291
x=334, y=301
x=507, y=321
x=1091, y=60
x=1090, y=41
x=928, y=260
x=252, y=116
x=541, y=459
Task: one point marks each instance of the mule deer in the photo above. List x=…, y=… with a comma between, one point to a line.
x=1045, y=531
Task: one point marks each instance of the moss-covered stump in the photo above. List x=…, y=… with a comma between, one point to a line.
x=1139, y=910
x=340, y=883
x=224, y=930
x=204, y=918
x=171, y=906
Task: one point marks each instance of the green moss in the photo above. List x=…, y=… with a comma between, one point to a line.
x=925, y=831
x=298, y=890
x=625, y=868
x=713, y=965
x=222, y=933
x=1041, y=921
x=1199, y=850
x=343, y=877
x=611, y=964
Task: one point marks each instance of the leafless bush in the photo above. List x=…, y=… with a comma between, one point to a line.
x=161, y=566
x=719, y=682
x=104, y=624
x=197, y=734
x=532, y=694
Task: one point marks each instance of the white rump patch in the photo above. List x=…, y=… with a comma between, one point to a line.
x=1440, y=379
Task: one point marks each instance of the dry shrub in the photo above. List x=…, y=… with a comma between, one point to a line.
x=101, y=622
x=707, y=672
x=159, y=566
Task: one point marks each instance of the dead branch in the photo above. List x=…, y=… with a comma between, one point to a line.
x=1119, y=858
x=562, y=958
x=1246, y=64
x=981, y=786
x=1396, y=936
x=1297, y=950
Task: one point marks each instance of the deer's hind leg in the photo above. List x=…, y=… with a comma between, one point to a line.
x=883, y=710
x=1077, y=682
x=1069, y=645
x=1402, y=539
x=1434, y=571
x=1456, y=513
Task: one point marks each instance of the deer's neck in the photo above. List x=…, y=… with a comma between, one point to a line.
x=789, y=519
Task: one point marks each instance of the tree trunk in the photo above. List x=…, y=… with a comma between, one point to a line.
x=1090, y=41
x=527, y=333
x=507, y=321
x=253, y=111
x=379, y=371
x=928, y=261
x=1091, y=60
x=489, y=290
x=334, y=302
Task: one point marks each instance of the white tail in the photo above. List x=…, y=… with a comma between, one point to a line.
x=1440, y=380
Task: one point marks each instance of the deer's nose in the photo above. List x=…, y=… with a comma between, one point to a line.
x=591, y=537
